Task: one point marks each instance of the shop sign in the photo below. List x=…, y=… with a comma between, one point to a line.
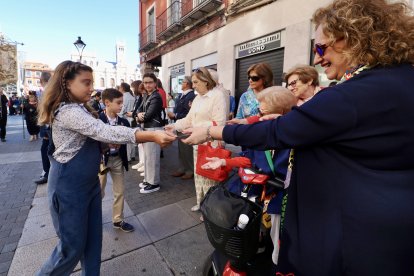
x=177, y=70
x=259, y=45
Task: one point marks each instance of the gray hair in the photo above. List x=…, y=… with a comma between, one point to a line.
x=188, y=80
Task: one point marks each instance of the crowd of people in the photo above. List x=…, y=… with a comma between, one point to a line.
x=344, y=151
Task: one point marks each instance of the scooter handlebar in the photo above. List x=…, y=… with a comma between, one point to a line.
x=277, y=183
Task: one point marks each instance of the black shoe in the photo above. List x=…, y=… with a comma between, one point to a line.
x=149, y=189
x=124, y=226
x=42, y=180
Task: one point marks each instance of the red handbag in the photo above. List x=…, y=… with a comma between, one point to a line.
x=207, y=150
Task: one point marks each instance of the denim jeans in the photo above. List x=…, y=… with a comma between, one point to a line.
x=75, y=204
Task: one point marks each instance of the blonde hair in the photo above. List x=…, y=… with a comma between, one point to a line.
x=375, y=32
x=305, y=73
x=203, y=74
x=279, y=99
x=264, y=71
x=56, y=91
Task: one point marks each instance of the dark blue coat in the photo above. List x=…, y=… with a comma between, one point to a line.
x=122, y=149
x=182, y=105
x=351, y=200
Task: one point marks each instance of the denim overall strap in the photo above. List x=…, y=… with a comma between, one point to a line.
x=75, y=204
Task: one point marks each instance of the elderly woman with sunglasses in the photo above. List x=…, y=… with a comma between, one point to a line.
x=260, y=77
x=210, y=105
x=303, y=82
x=350, y=204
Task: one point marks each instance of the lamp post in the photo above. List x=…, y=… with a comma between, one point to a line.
x=80, y=45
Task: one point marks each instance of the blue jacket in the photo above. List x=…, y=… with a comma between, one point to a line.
x=350, y=208
x=122, y=149
x=182, y=105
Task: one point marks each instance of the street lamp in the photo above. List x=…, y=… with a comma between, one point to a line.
x=80, y=45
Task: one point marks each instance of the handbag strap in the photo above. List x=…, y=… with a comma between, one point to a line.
x=219, y=145
x=270, y=160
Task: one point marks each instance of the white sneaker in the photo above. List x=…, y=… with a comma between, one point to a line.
x=141, y=169
x=142, y=174
x=143, y=184
x=137, y=166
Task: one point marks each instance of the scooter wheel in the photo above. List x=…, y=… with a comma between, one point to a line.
x=208, y=267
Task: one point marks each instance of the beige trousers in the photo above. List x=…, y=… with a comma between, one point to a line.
x=202, y=184
x=117, y=175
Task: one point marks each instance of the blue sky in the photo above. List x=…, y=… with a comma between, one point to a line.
x=48, y=28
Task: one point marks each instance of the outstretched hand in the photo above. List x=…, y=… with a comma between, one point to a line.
x=269, y=117
x=198, y=135
x=236, y=121
x=163, y=138
x=170, y=129
x=214, y=163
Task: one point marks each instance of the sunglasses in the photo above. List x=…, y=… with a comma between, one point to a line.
x=254, y=78
x=320, y=49
x=292, y=83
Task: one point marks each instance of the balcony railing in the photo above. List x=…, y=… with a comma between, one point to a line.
x=147, y=38
x=195, y=9
x=168, y=22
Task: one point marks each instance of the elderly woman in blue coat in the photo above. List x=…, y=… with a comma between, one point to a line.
x=350, y=204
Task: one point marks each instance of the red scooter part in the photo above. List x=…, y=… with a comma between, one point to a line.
x=248, y=176
x=230, y=271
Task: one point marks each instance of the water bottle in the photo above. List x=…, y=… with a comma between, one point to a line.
x=243, y=221
x=245, y=190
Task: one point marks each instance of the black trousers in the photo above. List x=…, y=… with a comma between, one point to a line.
x=3, y=123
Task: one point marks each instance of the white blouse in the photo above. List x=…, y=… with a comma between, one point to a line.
x=73, y=124
x=204, y=110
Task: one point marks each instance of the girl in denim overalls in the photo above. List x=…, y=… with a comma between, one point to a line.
x=73, y=186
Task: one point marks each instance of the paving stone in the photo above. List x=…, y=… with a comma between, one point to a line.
x=4, y=267
x=9, y=247
x=145, y=261
x=193, y=247
x=166, y=221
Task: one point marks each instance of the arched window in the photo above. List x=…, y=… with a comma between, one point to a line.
x=102, y=82
x=122, y=80
x=112, y=83
x=91, y=63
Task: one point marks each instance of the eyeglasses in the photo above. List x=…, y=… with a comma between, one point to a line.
x=254, y=78
x=292, y=83
x=320, y=49
x=198, y=70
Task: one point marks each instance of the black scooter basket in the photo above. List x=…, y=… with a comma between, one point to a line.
x=237, y=245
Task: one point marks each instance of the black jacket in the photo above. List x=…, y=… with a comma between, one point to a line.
x=122, y=149
x=137, y=105
x=182, y=105
x=152, y=106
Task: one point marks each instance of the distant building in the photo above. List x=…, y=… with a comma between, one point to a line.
x=109, y=74
x=31, y=75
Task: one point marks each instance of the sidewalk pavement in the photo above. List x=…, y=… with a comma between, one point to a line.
x=168, y=239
